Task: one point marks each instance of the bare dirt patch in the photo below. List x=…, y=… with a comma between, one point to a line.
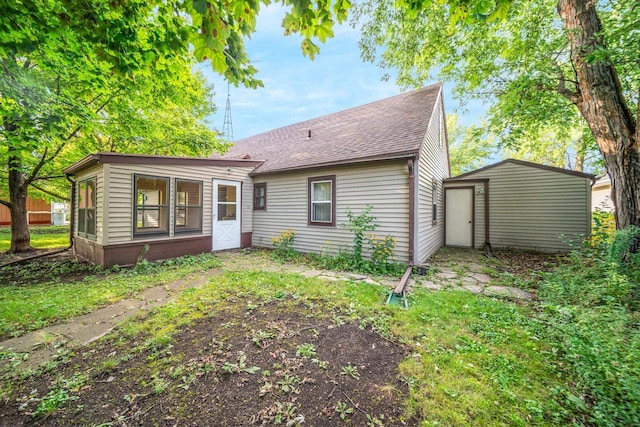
x=276, y=363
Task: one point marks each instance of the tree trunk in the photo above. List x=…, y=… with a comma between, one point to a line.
x=601, y=102
x=20, y=238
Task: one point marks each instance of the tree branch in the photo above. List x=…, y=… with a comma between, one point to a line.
x=39, y=166
x=43, y=160
x=572, y=95
x=5, y=203
x=51, y=193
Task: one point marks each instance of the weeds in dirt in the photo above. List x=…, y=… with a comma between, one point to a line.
x=343, y=410
x=240, y=366
x=60, y=394
x=306, y=351
x=260, y=337
x=289, y=383
x=351, y=371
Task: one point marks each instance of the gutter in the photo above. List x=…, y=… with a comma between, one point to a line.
x=72, y=217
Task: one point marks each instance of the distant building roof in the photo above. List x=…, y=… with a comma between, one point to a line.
x=394, y=127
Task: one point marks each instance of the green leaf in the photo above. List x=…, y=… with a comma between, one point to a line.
x=200, y=6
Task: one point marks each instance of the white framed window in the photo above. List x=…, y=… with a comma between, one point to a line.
x=322, y=200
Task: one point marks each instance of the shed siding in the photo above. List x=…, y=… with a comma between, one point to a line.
x=534, y=208
x=479, y=210
x=384, y=185
x=433, y=164
x=121, y=195
x=33, y=205
x=96, y=171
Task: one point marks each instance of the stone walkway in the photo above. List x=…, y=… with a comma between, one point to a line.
x=471, y=279
x=42, y=345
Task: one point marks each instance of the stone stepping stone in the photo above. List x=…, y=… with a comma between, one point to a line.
x=506, y=291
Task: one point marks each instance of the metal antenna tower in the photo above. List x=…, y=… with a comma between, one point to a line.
x=227, y=127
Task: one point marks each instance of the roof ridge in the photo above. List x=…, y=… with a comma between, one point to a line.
x=356, y=107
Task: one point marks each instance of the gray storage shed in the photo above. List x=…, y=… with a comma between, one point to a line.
x=518, y=204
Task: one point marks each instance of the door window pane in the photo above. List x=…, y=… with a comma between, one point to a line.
x=226, y=211
x=226, y=193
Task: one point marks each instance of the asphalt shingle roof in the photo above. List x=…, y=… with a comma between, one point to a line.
x=392, y=126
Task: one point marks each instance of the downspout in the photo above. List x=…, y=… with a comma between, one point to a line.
x=73, y=211
x=487, y=221
x=411, y=209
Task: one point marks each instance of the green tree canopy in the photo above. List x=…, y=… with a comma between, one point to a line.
x=469, y=146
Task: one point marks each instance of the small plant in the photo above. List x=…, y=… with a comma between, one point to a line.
x=343, y=410
x=352, y=371
x=259, y=337
x=306, y=351
x=60, y=394
x=358, y=225
x=321, y=363
x=382, y=248
x=374, y=422
x=159, y=385
x=283, y=244
x=288, y=384
x=288, y=412
x=241, y=366
x=55, y=399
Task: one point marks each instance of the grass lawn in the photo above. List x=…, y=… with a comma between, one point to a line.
x=42, y=237
x=254, y=347
x=48, y=292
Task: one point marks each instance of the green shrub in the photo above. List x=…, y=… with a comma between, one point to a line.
x=591, y=311
x=603, y=227
x=382, y=248
x=283, y=244
x=358, y=225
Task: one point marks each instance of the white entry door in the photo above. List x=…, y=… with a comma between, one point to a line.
x=226, y=214
x=459, y=217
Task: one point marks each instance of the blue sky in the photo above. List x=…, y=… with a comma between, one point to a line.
x=297, y=89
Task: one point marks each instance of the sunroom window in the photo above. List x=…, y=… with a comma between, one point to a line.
x=151, y=205
x=87, y=208
x=188, y=215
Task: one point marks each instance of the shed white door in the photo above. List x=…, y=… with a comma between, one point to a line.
x=226, y=214
x=459, y=217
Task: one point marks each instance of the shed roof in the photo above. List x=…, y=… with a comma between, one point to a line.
x=521, y=163
x=394, y=127
x=144, y=159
